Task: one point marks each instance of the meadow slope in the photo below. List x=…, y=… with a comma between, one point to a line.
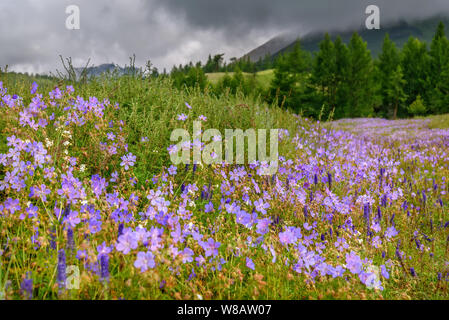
x=358, y=208
x=263, y=78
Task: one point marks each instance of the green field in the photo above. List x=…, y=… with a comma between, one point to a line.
x=358, y=208
x=263, y=78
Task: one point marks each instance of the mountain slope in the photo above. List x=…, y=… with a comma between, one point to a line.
x=95, y=71
x=399, y=32
x=272, y=46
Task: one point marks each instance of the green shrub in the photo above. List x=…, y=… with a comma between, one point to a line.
x=417, y=108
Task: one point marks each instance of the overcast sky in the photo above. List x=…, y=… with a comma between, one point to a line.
x=33, y=32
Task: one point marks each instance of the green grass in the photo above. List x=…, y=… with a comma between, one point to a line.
x=263, y=78
x=439, y=121
x=149, y=109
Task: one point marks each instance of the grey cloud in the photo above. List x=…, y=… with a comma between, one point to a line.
x=33, y=33
x=238, y=15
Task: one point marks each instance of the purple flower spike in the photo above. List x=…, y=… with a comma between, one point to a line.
x=70, y=240
x=104, y=267
x=120, y=229
x=27, y=287
x=61, y=269
x=34, y=88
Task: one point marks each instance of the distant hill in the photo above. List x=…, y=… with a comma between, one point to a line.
x=399, y=32
x=270, y=47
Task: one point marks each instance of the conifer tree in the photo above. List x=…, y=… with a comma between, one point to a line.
x=209, y=67
x=324, y=73
x=439, y=60
x=388, y=63
x=238, y=81
x=360, y=95
x=195, y=77
x=394, y=93
x=290, y=73
x=341, y=79
x=415, y=68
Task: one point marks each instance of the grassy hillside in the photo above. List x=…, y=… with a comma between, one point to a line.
x=263, y=78
x=438, y=122
x=358, y=208
x=149, y=107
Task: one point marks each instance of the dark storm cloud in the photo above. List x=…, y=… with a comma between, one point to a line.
x=33, y=33
x=239, y=15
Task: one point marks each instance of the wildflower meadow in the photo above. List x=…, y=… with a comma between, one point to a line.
x=91, y=206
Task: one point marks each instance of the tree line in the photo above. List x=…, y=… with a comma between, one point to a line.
x=343, y=80
x=232, y=81
x=338, y=81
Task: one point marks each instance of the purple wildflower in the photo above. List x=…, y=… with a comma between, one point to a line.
x=354, y=263
x=210, y=247
x=128, y=161
x=34, y=88
x=250, y=263
x=144, y=261
x=391, y=232
x=26, y=287
x=70, y=240
x=61, y=269
x=104, y=267
x=126, y=242
x=98, y=185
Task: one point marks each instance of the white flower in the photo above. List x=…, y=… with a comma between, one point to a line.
x=48, y=142
x=82, y=168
